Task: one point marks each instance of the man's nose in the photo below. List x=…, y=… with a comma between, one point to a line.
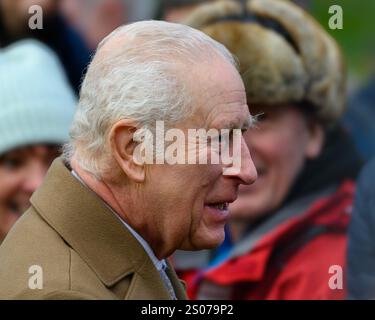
x=248, y=172
x=245, y=171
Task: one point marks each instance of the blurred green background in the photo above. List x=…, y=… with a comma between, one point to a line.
x=357, y=38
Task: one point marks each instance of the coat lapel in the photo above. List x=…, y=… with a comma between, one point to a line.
x=178, y=287
x=147, y=284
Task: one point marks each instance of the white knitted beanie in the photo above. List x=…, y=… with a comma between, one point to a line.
x=36, y=102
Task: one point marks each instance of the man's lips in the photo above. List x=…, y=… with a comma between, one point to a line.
x=218, y=212
x=220, y=208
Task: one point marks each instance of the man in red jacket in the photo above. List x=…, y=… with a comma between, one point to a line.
x=287, y=236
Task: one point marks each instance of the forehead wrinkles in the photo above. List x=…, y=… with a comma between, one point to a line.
x=227, y=105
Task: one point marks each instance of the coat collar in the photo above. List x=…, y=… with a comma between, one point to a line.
x=93, y=231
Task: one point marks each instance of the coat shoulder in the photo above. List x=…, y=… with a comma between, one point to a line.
x=36, y=263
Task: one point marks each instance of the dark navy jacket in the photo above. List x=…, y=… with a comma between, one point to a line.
x=361, y=246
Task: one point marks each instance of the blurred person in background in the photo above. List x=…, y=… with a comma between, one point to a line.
x=360, y=117
x=55, y=33
x=36, y=109
x=94, y=19
x=361, y=242
x=290, y=226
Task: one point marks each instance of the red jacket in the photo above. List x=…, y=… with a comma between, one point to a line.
x=292, y=261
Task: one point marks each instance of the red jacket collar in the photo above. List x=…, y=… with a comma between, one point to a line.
x=331, y=210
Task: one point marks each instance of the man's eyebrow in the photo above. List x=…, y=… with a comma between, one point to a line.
x=248, y=123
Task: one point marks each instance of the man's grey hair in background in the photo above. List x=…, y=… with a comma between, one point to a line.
x=139, y=78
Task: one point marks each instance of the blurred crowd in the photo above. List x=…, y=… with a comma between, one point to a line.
x=311, y=208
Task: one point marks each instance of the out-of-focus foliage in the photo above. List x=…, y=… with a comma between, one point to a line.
x=357, y=38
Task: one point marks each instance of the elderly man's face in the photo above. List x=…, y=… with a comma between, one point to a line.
x=188, y=200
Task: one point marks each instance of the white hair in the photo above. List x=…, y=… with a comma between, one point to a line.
x=138, y=79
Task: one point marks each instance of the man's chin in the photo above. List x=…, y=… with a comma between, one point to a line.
x=204, y=243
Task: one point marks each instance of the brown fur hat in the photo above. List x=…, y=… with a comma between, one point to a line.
x=285, y=55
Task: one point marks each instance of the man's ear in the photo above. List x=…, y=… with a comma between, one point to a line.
x=123, y=147
x=315, y=141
